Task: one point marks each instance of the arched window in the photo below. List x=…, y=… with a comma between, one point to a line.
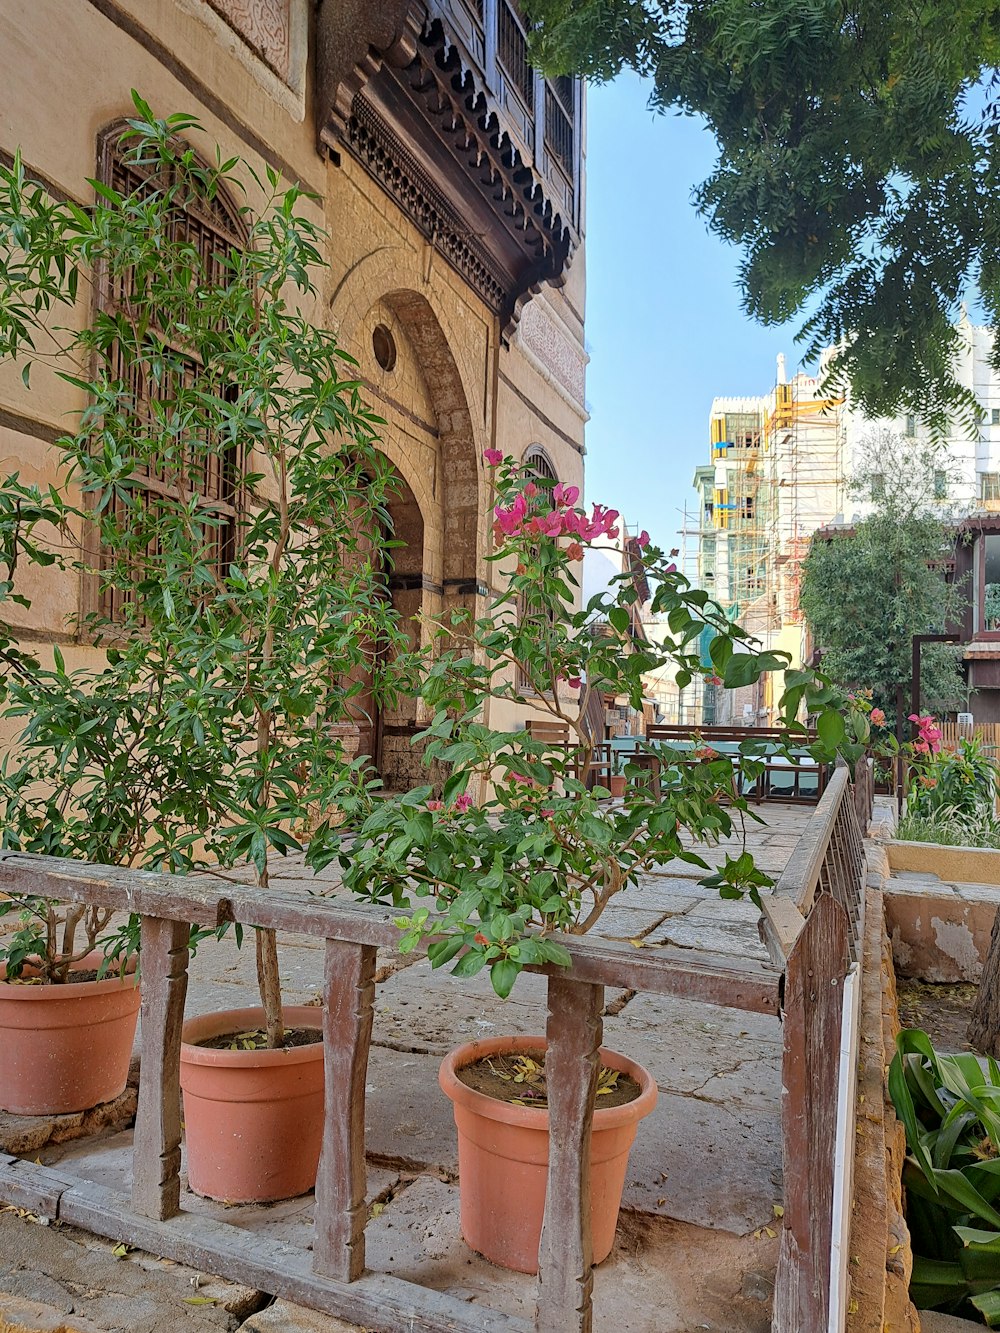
x=537, y=461
x=215, y=230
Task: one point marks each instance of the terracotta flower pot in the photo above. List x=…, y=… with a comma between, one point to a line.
x=66, y=1047
x=253, y=1120
x=617, y=783
x=503, y=1158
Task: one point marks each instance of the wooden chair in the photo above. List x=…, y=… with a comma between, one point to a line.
x=557, y=735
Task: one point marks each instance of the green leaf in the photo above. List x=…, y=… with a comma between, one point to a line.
x=831, y=729
x=503, y=974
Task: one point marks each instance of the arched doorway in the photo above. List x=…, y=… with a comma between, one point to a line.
x=419, y=378
x=385, y=728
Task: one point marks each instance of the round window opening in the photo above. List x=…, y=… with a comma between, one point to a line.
x=384, y=347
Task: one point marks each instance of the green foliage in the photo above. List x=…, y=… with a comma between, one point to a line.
x=950, y=1108
x=519, y=847
x=859, y=161
x=962, y=783
x=866, y=592
x=951, y=828
x=203, y=736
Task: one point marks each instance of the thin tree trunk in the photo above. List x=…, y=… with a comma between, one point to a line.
x=270, y=986
x=984, y=1026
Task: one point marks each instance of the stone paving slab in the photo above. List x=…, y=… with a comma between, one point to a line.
x=418, y=1237
x=716, y=935
x=78, y=1283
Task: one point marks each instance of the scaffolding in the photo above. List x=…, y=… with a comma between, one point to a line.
x=742, y=500
x=775, y=475
x=804, y=437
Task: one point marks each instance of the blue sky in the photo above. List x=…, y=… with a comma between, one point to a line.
x=665, y=330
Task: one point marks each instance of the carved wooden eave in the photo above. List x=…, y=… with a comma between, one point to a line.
x=412, y=108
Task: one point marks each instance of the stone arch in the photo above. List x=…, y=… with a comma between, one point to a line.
x=395, y=276
x=459, y=460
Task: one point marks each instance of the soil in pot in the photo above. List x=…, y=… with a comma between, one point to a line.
x=66, y=1047
x=253, y=1117
x=520, y=1080
x=503, y=1153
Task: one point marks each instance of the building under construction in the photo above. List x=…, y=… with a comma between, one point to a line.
x=776, y=475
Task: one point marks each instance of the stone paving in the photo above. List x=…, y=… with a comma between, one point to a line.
x=697, y=1243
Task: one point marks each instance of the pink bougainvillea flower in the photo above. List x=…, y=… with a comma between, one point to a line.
x=565, y=495
x=921, y=747
x=493, y=457
x=546, y=814
x=574, y=682
x=713, y=680
x=877, y=717
x=643, y=538
x=462, y=803
x=531, y=490
x=574, y=551
x=435, y=805
x=671, y=569
x=512, y=520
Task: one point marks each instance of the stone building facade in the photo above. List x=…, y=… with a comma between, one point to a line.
x=449, y=178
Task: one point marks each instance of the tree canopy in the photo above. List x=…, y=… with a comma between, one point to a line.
x=859, y=163
x=867, y=590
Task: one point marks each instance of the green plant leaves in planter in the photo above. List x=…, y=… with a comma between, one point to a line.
x=949, y=1106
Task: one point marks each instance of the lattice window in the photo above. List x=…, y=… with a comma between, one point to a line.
x=207, y=468
x=989, y=486
x=559, y=129
x=512, y=49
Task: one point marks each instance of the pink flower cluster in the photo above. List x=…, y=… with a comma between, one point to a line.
x=462, y=803
x=493, y=457
x=562, y=521
x=928, y=734
x=877, y=717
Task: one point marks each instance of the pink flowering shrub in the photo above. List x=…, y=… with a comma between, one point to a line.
x=541, y=851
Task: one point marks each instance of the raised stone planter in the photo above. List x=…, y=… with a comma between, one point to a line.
x=971, y=865
x=940, y=905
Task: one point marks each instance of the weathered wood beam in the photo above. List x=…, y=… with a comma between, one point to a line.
x=377, y=1301
x=341, y=1210
x=156, y=1159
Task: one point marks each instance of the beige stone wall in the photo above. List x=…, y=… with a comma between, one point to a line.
x=457, y=387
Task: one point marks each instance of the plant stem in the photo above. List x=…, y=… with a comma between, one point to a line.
x=269, y=982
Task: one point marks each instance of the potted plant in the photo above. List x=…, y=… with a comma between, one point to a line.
x=617, y=777
x=68, y=1008
x=493, y=882
x=236, y=621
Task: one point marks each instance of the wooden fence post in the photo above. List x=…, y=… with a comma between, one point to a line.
x=814, y=1002
x=341, y=1213
x=565, y=1253
x=156, y=1184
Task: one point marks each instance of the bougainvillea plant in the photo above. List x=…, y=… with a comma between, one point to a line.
x=513, y=841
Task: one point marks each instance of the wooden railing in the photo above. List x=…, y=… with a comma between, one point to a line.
x=333, y=1277
x=811, y=925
